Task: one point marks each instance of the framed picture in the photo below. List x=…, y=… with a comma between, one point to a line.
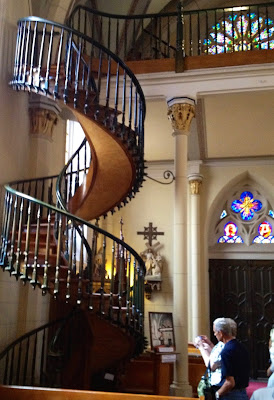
x=161, y=332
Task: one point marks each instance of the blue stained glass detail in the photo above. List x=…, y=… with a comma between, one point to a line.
x=223, y=214
x=271, y=213
x=246, y=206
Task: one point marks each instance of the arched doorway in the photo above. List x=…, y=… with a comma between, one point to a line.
x=241, y=269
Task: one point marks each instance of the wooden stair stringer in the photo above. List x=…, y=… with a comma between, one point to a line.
x=111, y=175
x=95, y=346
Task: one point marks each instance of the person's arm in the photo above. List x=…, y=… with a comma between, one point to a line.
x=228, y=385
x=204, y=348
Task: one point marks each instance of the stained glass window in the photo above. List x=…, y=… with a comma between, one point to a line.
x=265, y=233
x=240, y=32
x=246, y=206
x=230, y=234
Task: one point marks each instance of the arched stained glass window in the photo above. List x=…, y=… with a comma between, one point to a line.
x=240, y=31
x=230, y=234
x=244, y=217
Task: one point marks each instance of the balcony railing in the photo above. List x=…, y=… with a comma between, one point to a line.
x=179, y=33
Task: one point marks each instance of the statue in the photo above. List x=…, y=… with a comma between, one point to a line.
x=153, y=264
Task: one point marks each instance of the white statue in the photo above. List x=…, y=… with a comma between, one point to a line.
x=153, y=264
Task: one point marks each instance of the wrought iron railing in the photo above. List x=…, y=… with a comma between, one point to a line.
x=55, y=60
x=110, y=279
x=29, y=361
x=180, y=33
x=41, y=242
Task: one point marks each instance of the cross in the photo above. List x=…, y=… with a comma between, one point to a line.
x=150, y=233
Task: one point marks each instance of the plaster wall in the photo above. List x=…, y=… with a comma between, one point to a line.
x=21, y=308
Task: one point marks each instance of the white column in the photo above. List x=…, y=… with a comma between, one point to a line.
x=195, y=181
x=181, y=111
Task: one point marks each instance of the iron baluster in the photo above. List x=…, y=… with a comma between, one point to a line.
x=85, y=31
x=26, y=54
x=267, y=25
x=40, y=63
x=19, y=362
x=114, y=123
x=5, y=379
x=7, y=232
x=99, y=78
x=33, y=360
x=108, y=32
x=106, y=120
x=12, y=242
x=112, y=282
x=17, y=53
x=11, y=367
x=233, y=31
x=19, y=238
x=259, y=26
x=58, y=66
x=33, y=53
x=216, y=32
x=77, y=68
x=24, y=276
x=68, y=294
x=242, y=31
x=207, y=33
x=58, y=258
x=46, y=86
x=4, y=223
x=67, y=68
x=117, y=37
x=102, y=273
x=199, y=35
x=80, y=274
x=224, y=30
x=26, y=362
x=43, y=345
x=250, y=28
x=33, y=280
x=22, y=53
x=125, y=41
x=123, y=107
x=130, y=106
x=128, y=258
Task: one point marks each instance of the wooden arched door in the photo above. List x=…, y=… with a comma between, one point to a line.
x=244, y=290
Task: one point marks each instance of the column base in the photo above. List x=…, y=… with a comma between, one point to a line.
x=180, y=389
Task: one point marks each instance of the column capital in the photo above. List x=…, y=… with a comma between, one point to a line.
x=43, y=113
x=181, y=111
x=195, y=182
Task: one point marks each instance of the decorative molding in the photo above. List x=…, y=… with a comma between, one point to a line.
x=195, y=186
x=42, y=122
x=43, y=113
x=181, y=114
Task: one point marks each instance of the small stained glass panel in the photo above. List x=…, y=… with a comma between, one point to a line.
x=230, y=234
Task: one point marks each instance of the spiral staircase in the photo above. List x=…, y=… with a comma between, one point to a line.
x=47, y=239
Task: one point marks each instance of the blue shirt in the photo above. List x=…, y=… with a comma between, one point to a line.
x=235, y=362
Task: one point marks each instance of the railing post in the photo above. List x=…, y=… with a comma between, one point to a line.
x=180, y=51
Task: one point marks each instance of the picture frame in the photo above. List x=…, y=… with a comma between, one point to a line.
x=161, y=329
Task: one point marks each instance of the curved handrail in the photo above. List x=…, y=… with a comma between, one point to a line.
x=96, y=44
x=31, y=333
x=79, y=220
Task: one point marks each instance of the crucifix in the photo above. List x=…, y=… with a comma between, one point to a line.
x=150, y=233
